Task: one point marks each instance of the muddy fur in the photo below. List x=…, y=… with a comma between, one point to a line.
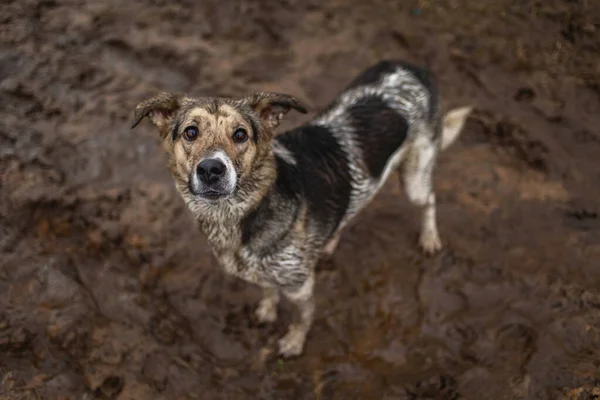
x=274, y=205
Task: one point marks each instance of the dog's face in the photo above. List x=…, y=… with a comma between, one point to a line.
x=215, y=144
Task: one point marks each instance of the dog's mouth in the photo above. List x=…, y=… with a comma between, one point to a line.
x=212, y=195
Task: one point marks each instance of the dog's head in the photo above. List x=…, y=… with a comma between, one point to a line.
x=215, y=144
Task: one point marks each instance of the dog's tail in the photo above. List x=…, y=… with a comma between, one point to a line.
x=453, y=122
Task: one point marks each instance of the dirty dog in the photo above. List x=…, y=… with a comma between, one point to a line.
x=272, y=206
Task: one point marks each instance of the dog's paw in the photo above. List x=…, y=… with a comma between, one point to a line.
x=292, y=343
x=266, y=311
x=430, y=243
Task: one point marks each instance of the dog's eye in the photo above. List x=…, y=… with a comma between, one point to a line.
x=240, y=135
x=190, y=133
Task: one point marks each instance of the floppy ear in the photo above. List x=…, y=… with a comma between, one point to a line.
x=271, y=107
x=160, y=109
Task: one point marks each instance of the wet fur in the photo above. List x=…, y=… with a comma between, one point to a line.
x=295, y=192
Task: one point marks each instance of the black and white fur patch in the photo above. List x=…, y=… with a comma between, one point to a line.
x=336, y=162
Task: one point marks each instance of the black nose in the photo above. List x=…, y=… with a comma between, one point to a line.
x=211, y=170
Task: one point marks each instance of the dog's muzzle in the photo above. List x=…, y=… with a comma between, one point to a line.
x=214, y=178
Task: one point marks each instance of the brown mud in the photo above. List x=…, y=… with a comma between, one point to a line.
x=107, y=290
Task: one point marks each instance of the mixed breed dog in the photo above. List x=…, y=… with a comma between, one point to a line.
x=272, y=205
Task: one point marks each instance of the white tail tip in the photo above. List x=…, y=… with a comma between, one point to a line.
x=454, y=120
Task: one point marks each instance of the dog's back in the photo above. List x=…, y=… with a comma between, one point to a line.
x=337, y=161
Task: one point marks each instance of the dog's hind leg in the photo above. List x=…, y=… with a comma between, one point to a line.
x=267, y=308
x=417, y=177
x=429, y=241
x=418, y=169
x=292, y=343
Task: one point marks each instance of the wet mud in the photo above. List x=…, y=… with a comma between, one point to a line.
x=108, y=290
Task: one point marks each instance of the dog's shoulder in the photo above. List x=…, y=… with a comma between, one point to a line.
x=321, y=170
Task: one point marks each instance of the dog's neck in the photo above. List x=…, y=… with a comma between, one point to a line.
x=221, y=222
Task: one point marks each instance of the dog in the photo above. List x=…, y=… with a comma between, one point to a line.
x=272, y=205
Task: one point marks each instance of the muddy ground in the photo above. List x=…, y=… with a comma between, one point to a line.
x=107, y=290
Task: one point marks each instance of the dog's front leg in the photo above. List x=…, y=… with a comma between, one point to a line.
x=292, y=343
x=267, y=308
x=331, y=245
